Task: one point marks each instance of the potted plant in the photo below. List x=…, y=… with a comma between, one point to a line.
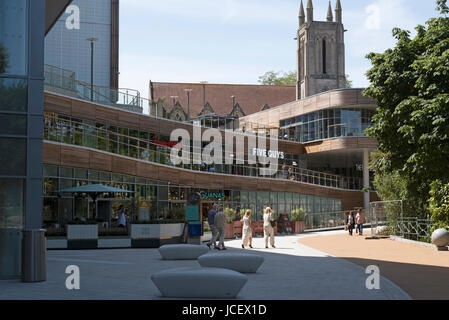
x=233, y=225
x=297, y=220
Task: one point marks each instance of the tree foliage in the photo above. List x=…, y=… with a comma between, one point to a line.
x=272, y=78
x=439, y=204
x=410, y=83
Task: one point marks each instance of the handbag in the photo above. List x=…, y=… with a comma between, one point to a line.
x=273, y=223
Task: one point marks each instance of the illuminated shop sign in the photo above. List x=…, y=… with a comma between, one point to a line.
x=268, y=153
x=215, y=196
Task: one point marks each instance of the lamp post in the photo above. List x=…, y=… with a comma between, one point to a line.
x=188, y=103
x=233, y=101
x=92, y=40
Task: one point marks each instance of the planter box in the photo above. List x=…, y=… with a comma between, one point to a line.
x=80, y=236
x=82, y=232
x=156, y=231
x=233, y=229
x=297, y=226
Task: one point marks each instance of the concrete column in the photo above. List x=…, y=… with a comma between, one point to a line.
x=366, y=178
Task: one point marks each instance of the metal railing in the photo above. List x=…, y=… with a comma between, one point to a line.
x=336, y=219
x=63, y=81
x=414, y=228
x=83, y=134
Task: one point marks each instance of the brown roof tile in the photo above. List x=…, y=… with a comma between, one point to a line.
x=251, y=98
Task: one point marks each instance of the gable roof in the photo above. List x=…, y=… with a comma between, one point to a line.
x=251, y=98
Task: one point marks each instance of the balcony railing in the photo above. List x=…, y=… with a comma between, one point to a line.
x=63, y=81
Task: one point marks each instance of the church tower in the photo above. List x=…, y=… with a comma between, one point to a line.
x=321, y=52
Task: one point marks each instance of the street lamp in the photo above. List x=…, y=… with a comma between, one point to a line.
x=188, y=103
x=92, y=40
x=233, y=101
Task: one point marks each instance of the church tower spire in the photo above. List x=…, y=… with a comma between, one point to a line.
x=329, y=17
x=338, y=11
x=309, y=11
x=320, y=52
x=302, y=16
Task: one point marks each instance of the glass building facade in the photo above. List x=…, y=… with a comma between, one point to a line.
x=68, y=48
x=154, y=147
x=325, y=124
x=161, y=198
x=22, y=29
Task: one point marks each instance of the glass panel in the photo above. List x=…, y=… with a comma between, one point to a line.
x=66, y=172
x=50, y=171
x=12, y=204
x=13, y=156
x=13, y=36
x=13, y=95
x=13, y=124
x=50, y=211
x=81, y=173
x=105, y=176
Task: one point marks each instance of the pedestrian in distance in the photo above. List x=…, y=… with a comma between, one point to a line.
x=220, y=225
x=350, y=222
x=268, y=224
x=247, y=233
x=121, y=222
x=210, y=219
x=360, y=220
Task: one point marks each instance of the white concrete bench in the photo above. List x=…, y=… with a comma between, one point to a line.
x=196, y=282
x=182, y=251
x=241, y=262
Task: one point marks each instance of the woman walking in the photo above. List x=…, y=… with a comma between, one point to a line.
x=247, y=233
x=350, y=222
x=268, y=230
x=360, y=220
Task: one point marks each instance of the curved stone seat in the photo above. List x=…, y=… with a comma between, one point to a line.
x=182, y=251
x=196, y=282
x=241, y=262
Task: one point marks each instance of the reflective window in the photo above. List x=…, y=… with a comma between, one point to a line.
x=324, y=124
x=13, y=156
x=13, y=94
x=13, y=37
x=12, y=203
x=13, y=124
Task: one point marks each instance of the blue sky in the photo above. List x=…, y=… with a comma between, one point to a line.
x=236, y=41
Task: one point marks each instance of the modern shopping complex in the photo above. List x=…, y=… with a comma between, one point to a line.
x=89, y=132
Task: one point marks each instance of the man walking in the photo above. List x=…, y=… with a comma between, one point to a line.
x=220, y=227
x=210, y=219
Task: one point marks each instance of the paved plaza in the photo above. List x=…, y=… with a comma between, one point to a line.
x=421, y=271
x=291, y=271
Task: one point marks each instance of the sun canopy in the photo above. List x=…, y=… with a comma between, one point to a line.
x=93, y=188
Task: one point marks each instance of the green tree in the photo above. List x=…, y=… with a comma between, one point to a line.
x=272, y=78
x=348, y=82
x=410, y=84
x=439, y=204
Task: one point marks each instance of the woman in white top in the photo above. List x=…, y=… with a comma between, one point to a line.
x=121, y=222
x=247, y=233
x=268, y=230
